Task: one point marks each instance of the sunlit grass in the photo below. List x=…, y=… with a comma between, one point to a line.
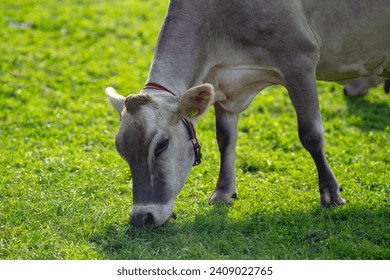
x=65, y=192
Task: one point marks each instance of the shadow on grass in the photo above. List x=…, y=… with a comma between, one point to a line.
x=345, y=233
x=372, y=115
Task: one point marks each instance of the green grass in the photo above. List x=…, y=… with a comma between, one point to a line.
x=65, y=192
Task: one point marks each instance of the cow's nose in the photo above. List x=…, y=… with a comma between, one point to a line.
x=142, y=219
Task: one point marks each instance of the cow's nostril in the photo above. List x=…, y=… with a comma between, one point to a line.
x=142, y=219
x=149, y=219
x=345, y=91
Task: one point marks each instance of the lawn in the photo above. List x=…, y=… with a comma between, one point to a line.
x=65, y=193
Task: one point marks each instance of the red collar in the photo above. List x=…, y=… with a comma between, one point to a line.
x=157, y=87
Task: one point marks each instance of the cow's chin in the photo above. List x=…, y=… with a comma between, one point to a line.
x=150, y=215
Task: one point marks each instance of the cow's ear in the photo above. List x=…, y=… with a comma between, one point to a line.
x=116, y=100
x=195, y=101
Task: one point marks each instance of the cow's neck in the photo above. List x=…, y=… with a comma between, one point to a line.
x=179, y=61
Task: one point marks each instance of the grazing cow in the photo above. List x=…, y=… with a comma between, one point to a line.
x=222, y=53
x=360, y=86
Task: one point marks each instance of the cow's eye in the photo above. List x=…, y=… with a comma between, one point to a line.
x=161, y=147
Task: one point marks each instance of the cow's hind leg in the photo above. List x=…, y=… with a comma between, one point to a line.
x=226, y=124
x=303, y=94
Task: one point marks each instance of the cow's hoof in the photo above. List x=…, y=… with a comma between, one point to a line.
x=222, y=198
x=335, y=200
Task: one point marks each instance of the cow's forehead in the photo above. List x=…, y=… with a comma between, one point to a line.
x=143, y=122
x=147, y=118
x=140, y=131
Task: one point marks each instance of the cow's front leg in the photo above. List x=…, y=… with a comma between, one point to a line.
x=303, y=93
x=226, y=124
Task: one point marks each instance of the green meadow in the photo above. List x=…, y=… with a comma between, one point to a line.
x=65, y=193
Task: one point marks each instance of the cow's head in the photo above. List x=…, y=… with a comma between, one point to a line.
x=155, y=142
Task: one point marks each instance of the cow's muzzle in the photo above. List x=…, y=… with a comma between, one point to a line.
x=142, y=219
x=150, y=215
